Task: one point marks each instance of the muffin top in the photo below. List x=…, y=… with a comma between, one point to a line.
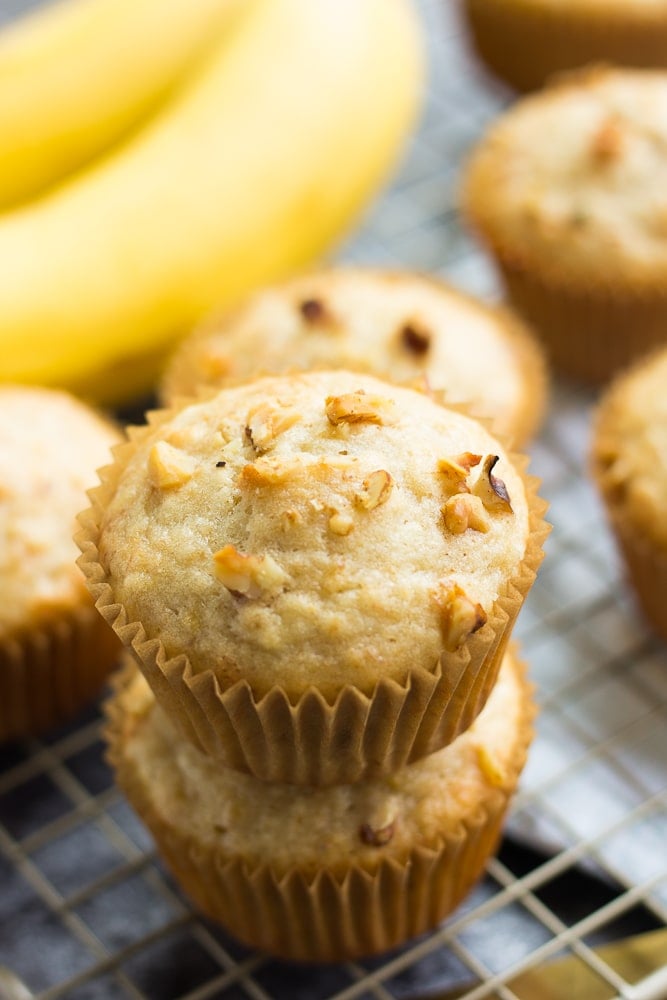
x=573, y=181
x=398, y=326
x=630, y=447
x=318, y=529
x=363, y=823
x=50, y=446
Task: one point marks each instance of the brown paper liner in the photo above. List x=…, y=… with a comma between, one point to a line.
x=589, y=336
x=51, y=672
x=324, y=915
x=646, y=567
x=526, y=43
x=309, y=740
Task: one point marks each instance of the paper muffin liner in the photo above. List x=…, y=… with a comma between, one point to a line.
x=526, y=43
x=324, y=915
x=49, y=673
x=588, y=335
x=646, y=566
x=310, y=740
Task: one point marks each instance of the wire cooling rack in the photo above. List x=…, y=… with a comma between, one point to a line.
x=88, y=913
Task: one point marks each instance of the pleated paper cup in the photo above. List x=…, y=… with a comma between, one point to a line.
x=525, y=43
x=359, y=904
x=588, y=335
x=53, y=670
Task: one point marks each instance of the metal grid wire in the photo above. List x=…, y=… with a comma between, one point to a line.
x=86, y=910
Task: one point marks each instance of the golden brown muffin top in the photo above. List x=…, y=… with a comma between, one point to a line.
x=315, y=529
x=50, y=446
x=399, y=326
x=630, y=447
x=572, y=182
x=336, y=827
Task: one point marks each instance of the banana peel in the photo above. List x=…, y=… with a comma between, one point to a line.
x=250, y=172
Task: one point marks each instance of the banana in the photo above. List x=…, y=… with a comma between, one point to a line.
x=78, y=75
x=260, y=164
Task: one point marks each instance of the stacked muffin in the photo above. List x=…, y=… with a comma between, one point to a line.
x=318, y=574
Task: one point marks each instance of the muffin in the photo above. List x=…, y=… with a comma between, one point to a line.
x=323, y=874
x=54, y=651
x=398, y=326
x=630, y=468
x=318, y=572
x=569, y=193
x=526, y=41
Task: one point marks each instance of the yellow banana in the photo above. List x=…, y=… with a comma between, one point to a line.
x=254, y=170
x=77, y=75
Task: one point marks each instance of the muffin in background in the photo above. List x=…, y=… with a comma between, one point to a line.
x=629, y=460
x=400, y=326
x=568, y=192
x=55, y=651
x=319, y=572
x=524, y=42
x=323, y=874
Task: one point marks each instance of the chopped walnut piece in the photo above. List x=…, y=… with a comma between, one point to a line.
x=315, y=312
x=341, y=524
x=265, y=422
x=490, y=489
x=376, y=838
x=490, y=767
x=607, y=144
x=358, y=407
x=376, y=490
x=463, y=511
x=456, y=470
x=414, y=338
x=248, y=575
x=460, y=615
x=168, y=467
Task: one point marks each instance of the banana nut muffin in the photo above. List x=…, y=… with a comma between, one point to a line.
x=526, y=41
x=568, y=191
x=308, y=557
x=53, y=653
x=400, y=326
x=324, y=874
x=630, y=467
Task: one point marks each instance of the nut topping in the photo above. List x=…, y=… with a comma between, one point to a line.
x=608, y=142
x=314, y=312
x=490, y=767
x=415, y=339
x=168, y=467
x=376, y=838
x=376, y=490
x=248, y=575
x=456, y=470
x=490, y=489
x=341, y=524
x=358, y=407
x=463, y=511
x=265, y=422
x=461, y=617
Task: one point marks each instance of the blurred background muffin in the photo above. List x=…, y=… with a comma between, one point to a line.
x=524, y=42
x=55, y=652
x=398, y=325
x=630, y=468
x=568, y=193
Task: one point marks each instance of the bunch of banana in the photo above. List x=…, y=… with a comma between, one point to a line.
x=235, y=143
